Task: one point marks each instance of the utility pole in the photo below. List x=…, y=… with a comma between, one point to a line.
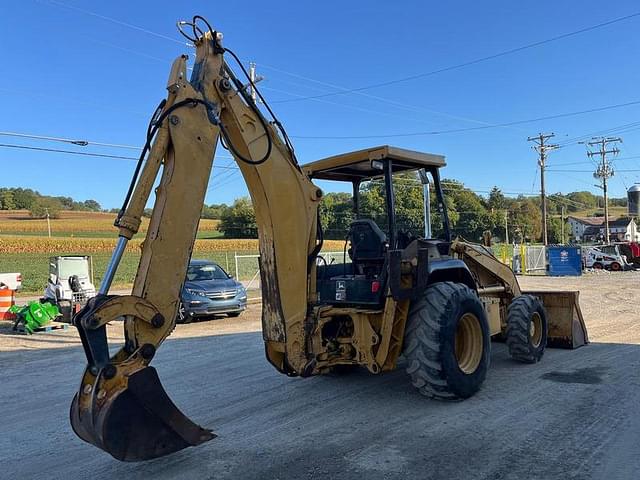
x=254, y=79
x=542, y=148
x=604, y=171
x=506, y=229
x=562, y=224
x=48, y=222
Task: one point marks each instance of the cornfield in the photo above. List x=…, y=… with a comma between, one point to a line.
x=85, y=246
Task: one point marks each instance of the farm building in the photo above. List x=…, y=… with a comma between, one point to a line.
x=591, y=229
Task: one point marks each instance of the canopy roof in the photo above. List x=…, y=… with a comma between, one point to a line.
x=354, y=166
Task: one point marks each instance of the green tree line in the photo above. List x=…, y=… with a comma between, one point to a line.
x=470, y=214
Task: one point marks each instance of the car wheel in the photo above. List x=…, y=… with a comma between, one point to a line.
x=597, y=266
x=616, y=267
x=234, y=314
x=183, y=316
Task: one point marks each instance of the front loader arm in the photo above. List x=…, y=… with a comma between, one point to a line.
x=121, y=406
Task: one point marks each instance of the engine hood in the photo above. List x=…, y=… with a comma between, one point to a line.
x=211, y=285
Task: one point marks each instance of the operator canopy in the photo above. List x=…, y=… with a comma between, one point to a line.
x=363, y=164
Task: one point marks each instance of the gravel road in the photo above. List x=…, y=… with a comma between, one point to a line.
x=572, y=416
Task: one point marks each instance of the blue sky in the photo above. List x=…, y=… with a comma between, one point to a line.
x=74, y=69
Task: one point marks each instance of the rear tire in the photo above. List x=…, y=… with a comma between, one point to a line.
x=447, y=343
x=597, y=266
x=234, y=314
x=526, y=329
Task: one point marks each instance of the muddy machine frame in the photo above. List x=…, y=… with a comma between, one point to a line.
x=121, y=406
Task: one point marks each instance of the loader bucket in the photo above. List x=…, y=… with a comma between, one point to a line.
x=139, y=423
x=564, y=318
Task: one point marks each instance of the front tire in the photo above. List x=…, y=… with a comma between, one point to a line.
x=447, y=342
x=183, y=316
x=234, y=314
x=526, y=335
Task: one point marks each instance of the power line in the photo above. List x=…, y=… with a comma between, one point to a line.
x=70, y=152
x=86, y=154
x=617, y=129
x=405, y=106
x=82, y=143
x=471, y=62
x=589, y=171
x=118, y=22
x=359, y=90
x=468, y=129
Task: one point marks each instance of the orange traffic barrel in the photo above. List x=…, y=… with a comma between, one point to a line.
x=7, y=300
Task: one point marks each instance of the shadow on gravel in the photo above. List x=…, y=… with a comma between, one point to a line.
x=587, y=376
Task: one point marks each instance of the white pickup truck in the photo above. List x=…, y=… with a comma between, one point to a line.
x=12, y=281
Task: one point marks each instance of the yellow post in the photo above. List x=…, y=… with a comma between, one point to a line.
x=523, y=262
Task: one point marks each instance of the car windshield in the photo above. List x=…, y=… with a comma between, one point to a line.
x=208, y=271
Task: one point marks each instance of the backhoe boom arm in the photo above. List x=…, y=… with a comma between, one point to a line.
x=121, y=406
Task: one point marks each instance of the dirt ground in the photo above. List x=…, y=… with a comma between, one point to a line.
x=572, y=416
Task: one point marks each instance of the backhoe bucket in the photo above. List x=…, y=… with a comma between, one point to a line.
x=564, y=318
x=138, y=423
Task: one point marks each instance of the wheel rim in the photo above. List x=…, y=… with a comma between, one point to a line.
x=468, y=343
x=535, y=329
x=615, y=266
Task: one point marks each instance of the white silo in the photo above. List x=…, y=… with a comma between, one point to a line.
x=633, y=200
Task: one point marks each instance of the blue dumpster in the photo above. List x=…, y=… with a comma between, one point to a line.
x=564, y=260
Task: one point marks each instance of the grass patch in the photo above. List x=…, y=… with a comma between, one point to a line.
x=34, y=267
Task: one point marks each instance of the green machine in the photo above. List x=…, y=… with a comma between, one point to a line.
x=34, y=315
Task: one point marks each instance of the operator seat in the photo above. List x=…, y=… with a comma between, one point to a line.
x=368, y=247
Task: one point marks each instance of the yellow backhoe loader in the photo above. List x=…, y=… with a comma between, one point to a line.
x=435, y=301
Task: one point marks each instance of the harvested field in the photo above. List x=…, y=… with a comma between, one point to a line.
x=77, y=224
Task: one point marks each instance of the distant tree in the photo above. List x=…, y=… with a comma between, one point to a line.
x=7, y=200
x=92, y=205
x=527, y=220
x=214, y=211
x=497, y=200
x=581, y=200
x=467, y=212
x=67, y=202
x=336, y=214
x=24, y=198
x=239, y=221
x=42, y=205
